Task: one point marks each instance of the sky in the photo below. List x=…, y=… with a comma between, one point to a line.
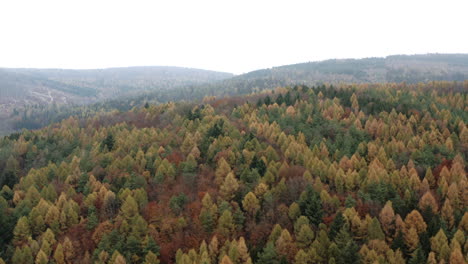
x=232, y=36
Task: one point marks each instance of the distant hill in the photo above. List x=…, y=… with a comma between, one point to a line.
x=36, y=86
x=397, y=68
x=44, y=96
x=22, y=88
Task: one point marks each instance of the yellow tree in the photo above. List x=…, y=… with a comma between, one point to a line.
x=251, y=204
x=387, y=218
x=229, y=187
x=222, y=170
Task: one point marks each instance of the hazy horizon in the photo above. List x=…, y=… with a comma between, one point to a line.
x=235, y=37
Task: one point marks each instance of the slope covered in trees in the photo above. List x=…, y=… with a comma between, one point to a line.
x=34, y=98
x=326, y=174
x=23, y=91
x=398, y=68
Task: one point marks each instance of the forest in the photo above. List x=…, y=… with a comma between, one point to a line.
x=34, y=98
x=324, y=173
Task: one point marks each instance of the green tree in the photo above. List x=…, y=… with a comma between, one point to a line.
x=336, y=225
x=311, y=205
x=374, y=231
x=268, y=255
x=21, y=231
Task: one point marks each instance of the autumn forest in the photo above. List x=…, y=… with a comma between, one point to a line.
x=362, y=173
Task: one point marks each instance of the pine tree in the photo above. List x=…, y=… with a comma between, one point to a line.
x=336, y=225
x=418, y=257
x=268, y=255
x=311, y=205
x=348, y=249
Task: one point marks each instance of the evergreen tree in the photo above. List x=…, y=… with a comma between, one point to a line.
x=336, y=225
x=311, y=205
x=268, y=255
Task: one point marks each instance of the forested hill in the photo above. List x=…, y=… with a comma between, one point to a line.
x=23, y=91
x=398, y=68
x=78, y=86
x=344, y=174
x=39, y=96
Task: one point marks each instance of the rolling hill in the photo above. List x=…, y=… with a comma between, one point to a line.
x=42, y=96
x=21, y=89
x=397, y=68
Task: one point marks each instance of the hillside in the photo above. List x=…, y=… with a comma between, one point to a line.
x=398, y=68
x=21, y=89
x=323, y=174
x=39, y=96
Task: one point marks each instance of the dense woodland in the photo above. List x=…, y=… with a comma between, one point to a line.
x=365, y=173
x=33, y=98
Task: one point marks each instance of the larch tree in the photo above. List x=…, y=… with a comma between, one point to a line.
x=222, y=170
x=439, y=245
x=229, y=187
x=387, y=219
x=251, y=204
x=151, y=258
x=59, y=256
x=428, y=200
x=21, y=231
x=411, y=239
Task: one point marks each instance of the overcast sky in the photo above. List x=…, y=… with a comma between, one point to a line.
x=232, y=36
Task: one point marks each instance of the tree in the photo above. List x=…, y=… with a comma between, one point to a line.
x=59, y=257
x=108, y=142
x=294, y=211
x=69, y=250
x=129, y=208
x=456, y=257
x=41, y=258
x=374, y=231
x=222, y=170
x=226, y=260
x=151, y=258
x=23, y=255
x=418, y=257
x=251, y=204
x=447, y=213
x=305, y=236
x=348, y=249
x=336, y=225
x=311, y=205
x=301, y=257
x=439, y=245
x=285, y=246
x=226, y=224
x=414, y=219
x=428, y=201
x=22, y=231
x=268, y=255
x=229, y=187
x=411, y=239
